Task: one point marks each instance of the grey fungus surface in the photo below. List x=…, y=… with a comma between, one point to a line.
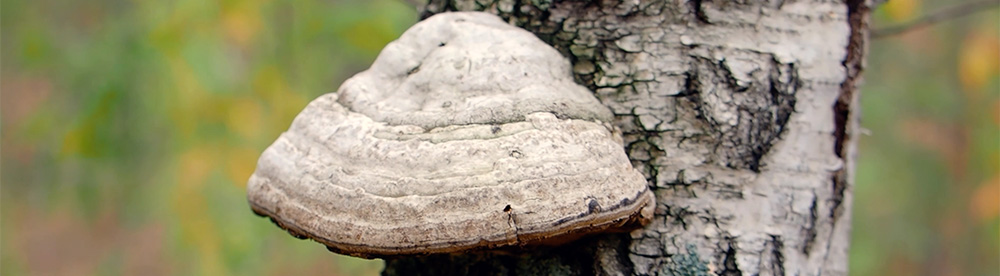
x=466, y=133
x=468, y=68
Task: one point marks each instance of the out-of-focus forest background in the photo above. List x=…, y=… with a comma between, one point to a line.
x=129, y=129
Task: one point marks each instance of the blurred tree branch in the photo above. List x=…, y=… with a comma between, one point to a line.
x=953, y=12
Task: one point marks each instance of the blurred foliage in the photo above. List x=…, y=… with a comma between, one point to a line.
x=927, y=200
x=129, y=129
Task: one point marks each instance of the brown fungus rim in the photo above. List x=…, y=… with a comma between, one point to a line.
x=614, y=220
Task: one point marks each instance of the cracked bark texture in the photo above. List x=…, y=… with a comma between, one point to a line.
x=740, y=114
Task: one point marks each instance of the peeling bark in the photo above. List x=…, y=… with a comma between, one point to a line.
x=741, y=116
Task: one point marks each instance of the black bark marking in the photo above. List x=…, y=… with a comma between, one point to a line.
x=839, y=181
x=773, y=260
x=729, y=266
x=809, y=232
x=639, y=150
x=679, y=215
x=763, y=108
x=699, y=12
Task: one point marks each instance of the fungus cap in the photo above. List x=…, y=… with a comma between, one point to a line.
x=466, y=133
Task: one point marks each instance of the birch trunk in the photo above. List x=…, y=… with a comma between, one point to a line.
x=742, y=116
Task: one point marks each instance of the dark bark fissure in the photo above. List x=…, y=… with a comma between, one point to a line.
x=809, y=232
x=626, y=267
x=678, y=215
x=641, y=152
x=730, y=268
x=858, y=19
x=764, y=106
x=698, y=12
x=858, y=11
x=774, y=260
x=839, y=180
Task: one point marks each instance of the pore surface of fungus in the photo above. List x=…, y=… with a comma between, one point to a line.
x=465, y=133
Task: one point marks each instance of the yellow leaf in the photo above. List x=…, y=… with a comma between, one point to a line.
x=240, y=163
x=241, y=22
x=978, y=61
x=985, y=204
x=902, y=10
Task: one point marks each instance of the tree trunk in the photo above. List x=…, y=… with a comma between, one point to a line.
x=742, y=116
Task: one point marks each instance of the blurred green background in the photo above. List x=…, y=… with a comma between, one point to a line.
x=129, y=129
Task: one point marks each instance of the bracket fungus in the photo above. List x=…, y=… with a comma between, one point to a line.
x=466, y=133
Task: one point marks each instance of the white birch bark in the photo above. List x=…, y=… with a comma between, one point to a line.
x=741, y=115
